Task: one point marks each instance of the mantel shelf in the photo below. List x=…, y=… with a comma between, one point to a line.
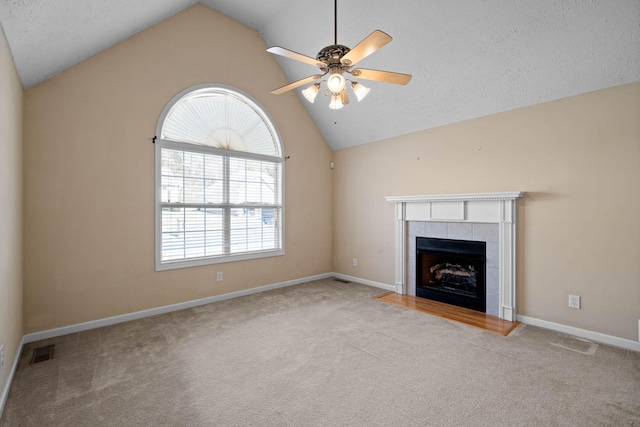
x=509, y=195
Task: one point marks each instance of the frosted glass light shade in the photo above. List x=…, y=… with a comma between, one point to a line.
x=311, y=92
x=336, y=83
x=360, y=90
x=336, y=102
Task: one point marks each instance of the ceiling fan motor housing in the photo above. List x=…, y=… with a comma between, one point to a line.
x=331, y=55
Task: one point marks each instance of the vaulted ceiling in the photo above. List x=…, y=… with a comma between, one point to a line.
x=468, y=58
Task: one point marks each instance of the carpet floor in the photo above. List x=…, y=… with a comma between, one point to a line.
x=324, y=353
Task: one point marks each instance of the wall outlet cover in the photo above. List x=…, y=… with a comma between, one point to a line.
x=574, y=301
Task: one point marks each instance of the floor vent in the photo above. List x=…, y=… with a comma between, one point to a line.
x=341, y=280
x=41, y=354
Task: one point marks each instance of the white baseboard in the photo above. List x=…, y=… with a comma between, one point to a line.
x=5, y=391
x=37, y=336
x=51, y=333
x=582, y=333
x=384, y=286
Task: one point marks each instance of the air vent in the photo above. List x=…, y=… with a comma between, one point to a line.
x=341, y=280
x=41, y=354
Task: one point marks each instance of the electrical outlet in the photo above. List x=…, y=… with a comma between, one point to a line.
x=574, y=301
x=355, y=262
x=219, y=276
x=1, y=356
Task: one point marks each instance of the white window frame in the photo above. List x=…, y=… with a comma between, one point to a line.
x=184, y=146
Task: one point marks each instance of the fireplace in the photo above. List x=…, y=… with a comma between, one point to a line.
x=451, y=271
x=464, y=217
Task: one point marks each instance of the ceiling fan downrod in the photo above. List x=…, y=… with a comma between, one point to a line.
x=335, y=21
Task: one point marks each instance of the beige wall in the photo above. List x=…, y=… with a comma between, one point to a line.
x=11, y=211
x=89, y=206
x=89, y=243
x=578, y=159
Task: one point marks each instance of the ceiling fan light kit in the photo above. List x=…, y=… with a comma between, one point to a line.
x=336, y=60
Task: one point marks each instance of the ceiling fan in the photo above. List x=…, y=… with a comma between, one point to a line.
x=336, y=60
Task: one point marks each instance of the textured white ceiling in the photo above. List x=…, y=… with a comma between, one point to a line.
x=468, y=58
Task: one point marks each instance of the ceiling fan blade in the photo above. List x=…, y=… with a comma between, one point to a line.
x=366, y=47
x=381, y=76
x=344, y=97
x=296, y=84
x=277, y=50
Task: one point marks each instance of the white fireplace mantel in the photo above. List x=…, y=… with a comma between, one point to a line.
x=497, y=208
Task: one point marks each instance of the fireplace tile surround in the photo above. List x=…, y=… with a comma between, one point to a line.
x=487, y=217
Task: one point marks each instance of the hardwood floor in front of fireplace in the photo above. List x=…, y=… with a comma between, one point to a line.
x=451, y=312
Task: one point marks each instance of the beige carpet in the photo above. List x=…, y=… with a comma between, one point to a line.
x=322, y=354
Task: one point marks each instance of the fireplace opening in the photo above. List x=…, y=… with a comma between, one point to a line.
x=452, y=271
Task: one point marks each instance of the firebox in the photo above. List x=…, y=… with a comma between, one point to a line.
x=452, y=271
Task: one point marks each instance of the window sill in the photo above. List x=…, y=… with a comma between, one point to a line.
x=197, y=262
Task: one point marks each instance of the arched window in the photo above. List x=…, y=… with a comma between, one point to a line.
x=218, y=179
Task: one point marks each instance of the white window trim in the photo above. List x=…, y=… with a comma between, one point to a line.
x=161, y=143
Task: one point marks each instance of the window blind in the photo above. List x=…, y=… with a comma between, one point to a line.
x=219, y=181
